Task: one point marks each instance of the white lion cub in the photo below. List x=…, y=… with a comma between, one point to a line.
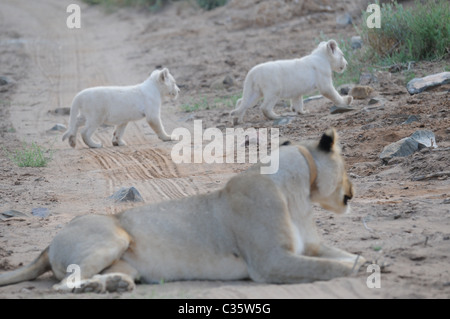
x=291, y=79
x=119, y=105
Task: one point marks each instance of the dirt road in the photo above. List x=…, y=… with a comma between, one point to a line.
x=400, y=224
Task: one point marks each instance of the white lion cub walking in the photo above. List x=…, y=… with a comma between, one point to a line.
x=291, y=79
x=119, y=105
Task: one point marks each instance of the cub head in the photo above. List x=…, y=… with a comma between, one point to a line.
x=333, y=189
x=335, y=56
x=166, y=83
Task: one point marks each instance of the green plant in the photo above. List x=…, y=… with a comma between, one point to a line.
x=211, y=4
x=419, y=32
x=204, y=104
x=30, y=156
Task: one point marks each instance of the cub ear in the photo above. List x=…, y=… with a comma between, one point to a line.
x=163, y=75
x=285, y=143
x=328, y=140
x=332, y=45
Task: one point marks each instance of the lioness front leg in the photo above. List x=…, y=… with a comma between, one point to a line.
x=325, y=251
x=158, y=128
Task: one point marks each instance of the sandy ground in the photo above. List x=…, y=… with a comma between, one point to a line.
x=401, y=224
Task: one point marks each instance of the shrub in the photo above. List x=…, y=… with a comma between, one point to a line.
x=30, y=156
x=420, y=32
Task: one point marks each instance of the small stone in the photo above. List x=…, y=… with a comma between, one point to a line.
x=367, y=78
x=344, y=19
x=61, y=111
x=58, y=128
x=125, y=194
x=282, y=121
x=425, y=137
x=344, y=89
x=361, y=92
x=312, y=98
x=419, y=85
x=340, y=109
x=40, y=212
x=12, y=213
x=411, y=119
x=356, y=42
x=402, y=148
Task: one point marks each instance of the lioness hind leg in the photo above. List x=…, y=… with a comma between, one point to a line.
x=111, y=282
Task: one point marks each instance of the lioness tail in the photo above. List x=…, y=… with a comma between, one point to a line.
x=39, y=266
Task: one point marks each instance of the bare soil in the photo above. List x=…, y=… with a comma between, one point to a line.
x=397, y=222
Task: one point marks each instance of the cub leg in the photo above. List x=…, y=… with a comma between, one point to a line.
x=248, y=100
x=87, y=133
x=297, y=105
x=330, y=93
x=118, y=133
x=157, y=126
x=267, y=107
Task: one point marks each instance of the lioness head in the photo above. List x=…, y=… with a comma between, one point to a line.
x=335, y=56
x=167, y=84
x=333, y=189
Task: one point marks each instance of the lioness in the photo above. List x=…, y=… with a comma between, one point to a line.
x=258, y=226
x=291, y=79
x=118, y=106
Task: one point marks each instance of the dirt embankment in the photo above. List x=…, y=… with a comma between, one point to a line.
x=398, y=222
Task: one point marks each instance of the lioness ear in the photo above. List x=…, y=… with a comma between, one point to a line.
x=332, y=45
x=328, y=140
x=164, y=74
x=285, y=143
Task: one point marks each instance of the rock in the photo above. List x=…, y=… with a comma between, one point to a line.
x=409, y=145
x=4, y=80
x=340, y=109
x=224, y=83
x=344, y=19
x=402, y=148
x=312, y=98
x=356, y=42
x=125, y=194
x=344, y=89
x=361, y=92
x=411, y=119
x=12, y=213
x=425, y=137
x=367, y=78
x=419, y=85
x=377, y=100
x=283, y=121
x=58, y=128
x=371, y=126
x=40, y=212
x=61, y=111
